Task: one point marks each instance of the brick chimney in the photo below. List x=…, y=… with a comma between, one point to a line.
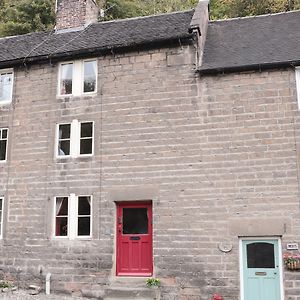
x=199, y=26
x=75, y=13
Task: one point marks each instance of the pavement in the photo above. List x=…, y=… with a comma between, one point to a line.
x=24, y=295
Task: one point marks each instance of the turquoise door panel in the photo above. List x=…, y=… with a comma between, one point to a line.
x=261, y=270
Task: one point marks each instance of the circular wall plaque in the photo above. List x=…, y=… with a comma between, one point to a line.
x=225, y=246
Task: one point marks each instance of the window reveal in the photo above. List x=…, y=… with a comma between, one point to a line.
x=3, y=143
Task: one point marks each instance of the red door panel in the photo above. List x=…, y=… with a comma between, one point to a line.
x=134, y=239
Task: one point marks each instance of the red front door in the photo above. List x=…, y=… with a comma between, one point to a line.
x=134, y=239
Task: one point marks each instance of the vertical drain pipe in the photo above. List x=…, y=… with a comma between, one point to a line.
x=48, y=277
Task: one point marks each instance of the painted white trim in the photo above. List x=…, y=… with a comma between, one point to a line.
x=2, y=215
x=73, y=201
x=280, y=266
x=77, y=78
x=74, y=139
x=6, y=71
x=6, y=150
x=241, y=269
x=297, y=75
x=241, y=239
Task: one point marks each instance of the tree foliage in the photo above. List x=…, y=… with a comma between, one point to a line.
x=221, y=9
x=117, y=9
x=23, y=16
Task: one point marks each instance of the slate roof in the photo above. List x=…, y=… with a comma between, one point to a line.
x=96, y=37
x=252, y=43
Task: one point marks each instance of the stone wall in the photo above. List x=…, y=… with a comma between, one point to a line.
x=217, y=155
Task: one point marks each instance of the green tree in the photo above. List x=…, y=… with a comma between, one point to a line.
x=240, y=8
x=118, y=9
x=23, y=16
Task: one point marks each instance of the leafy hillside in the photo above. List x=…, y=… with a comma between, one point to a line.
x=23, y=16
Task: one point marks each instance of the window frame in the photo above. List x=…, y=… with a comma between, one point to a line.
x=7, y=71
x=68, y=218
x=2, y=216
x=297, y=76
x=82, y=76
x=57, y=141
x=93, y=138
x=59, y=78
x=72, y=230
x=91, y=218
x=75, y=138
x=77, y=78
x=6, y=150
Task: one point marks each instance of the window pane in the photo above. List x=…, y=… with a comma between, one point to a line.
x=64, y=136
x=64, y=148
x=61, y=211
x=90, y=69
x=86, y=129
x=64, y=131
x=135, y=221
x=84, y=226
x=84, y=206
x=66, y=78
x=61, y=226
x=3, y=149
x=6, y=86
x=62, y=206
x=86, y=146
x=260, y=255
x=4, y=133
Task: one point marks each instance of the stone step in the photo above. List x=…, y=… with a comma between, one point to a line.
x=128, y=298
x=133, y=282
x=130, y=293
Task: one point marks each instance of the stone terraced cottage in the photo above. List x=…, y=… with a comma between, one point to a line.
x=165, y=146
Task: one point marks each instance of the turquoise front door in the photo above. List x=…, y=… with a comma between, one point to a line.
x=261, y=278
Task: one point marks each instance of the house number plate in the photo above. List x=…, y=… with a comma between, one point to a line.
x=292, y=246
